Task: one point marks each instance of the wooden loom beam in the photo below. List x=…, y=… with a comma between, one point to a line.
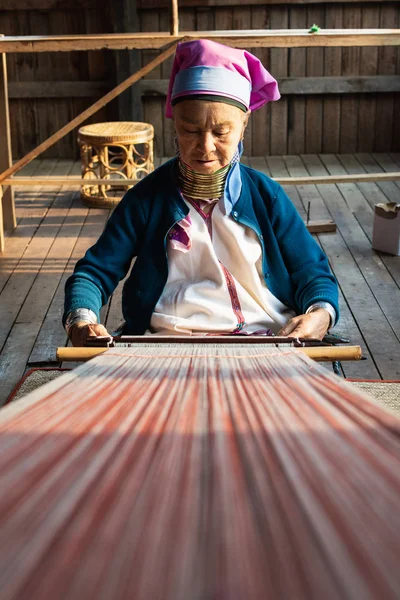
x=320, y=354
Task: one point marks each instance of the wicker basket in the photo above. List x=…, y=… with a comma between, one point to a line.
x=117, y=150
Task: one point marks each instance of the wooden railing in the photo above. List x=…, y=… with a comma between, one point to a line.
x=252, y=38
x=167, y=42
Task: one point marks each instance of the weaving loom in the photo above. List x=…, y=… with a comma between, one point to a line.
x=329, y=349
x=229, y=471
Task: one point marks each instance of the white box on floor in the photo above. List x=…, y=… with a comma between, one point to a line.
x=386, y=230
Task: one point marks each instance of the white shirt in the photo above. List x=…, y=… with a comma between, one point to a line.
x=196, y=298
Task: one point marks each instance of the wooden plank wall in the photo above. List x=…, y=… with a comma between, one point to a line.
x=305, y=123
x=35, y=119
x=299, y=123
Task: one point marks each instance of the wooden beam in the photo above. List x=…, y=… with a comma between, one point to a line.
x=352, y=178
x=57, y=89
x=87, y=113
x=174, y=17
x=340, y=85
x=8, y=5
x=307, y=85
x=46, y=4
x=287, y=86
x=148, y=4
x=8, y=220
x=278, y=38
x=318, y=353
x=311, y=179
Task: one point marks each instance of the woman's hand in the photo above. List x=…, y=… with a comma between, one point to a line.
x=312, y=325
x=81, y=330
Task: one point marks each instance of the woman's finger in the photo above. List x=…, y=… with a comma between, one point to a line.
x=289, y=327
x=312, y=325
x=82, y=330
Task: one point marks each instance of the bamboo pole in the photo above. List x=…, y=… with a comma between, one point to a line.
x=332, y=353
x=174, y=17
x=318, y=353
x=78, y=354
x=252, y=38
x=88, y=112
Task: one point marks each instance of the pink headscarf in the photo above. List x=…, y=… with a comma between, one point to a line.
x=206, y=67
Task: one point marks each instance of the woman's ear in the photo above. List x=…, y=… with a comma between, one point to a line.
x=246, y=117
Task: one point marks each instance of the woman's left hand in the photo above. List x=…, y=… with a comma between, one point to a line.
x=312, y=325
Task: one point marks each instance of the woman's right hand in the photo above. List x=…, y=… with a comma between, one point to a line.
x=82, y=330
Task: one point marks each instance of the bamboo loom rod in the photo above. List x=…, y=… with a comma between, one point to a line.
x=273, y=38
x=88, y=112
x=174, y=17
x=318, y=353
x=311, y=179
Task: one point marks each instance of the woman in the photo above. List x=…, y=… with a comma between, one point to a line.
x=219, y=247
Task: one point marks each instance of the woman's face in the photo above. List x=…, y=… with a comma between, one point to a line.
x=208, y=133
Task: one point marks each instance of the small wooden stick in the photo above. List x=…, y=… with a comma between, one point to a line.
x=321, y=354
x=89, y=112
x=321, y=226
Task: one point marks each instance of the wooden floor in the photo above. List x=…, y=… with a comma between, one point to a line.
x=54, y=230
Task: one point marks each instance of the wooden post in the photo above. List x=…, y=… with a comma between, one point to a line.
x=174, y=17
x=1, y=221
x=8, y=209
x=88, y=112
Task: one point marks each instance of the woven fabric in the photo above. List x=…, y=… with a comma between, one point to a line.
x=207, y=472
x=386, y=394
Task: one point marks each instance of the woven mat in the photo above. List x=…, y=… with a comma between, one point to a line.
x=33, y=379
x=386, y=394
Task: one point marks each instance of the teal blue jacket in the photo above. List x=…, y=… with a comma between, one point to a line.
x=295, y=269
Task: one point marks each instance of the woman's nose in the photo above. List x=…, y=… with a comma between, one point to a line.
x=207, y=143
